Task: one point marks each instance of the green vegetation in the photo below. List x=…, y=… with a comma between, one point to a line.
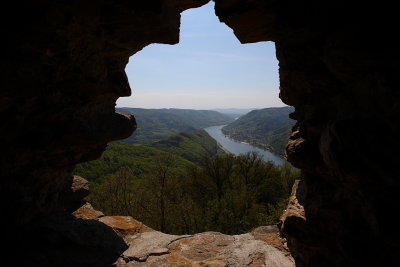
x=135, y=159
x=268, y=128
x=192, y=146
x=157, y=124
x=226, y=193
x=185, y=183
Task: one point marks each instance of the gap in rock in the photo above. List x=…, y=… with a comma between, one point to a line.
x=175, y=178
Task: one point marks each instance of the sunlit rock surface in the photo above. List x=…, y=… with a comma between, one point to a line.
x=203, y=249
x=147, y=247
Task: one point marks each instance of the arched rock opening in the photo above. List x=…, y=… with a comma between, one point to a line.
x=63, y=67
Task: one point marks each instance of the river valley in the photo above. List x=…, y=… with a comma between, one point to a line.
x=237, y=147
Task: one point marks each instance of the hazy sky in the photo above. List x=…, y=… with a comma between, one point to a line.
x=209, y=68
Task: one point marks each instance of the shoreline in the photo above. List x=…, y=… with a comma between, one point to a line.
x=261, y=146
x=224, y=149
x=236, y=147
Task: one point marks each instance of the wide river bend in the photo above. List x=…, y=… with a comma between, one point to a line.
x=237, y=147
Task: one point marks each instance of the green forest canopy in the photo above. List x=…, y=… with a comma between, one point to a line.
x=225, y=193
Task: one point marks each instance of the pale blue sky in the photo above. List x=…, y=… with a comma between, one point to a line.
x=209, y=68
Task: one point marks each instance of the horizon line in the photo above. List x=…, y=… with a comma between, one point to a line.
x=201, y=108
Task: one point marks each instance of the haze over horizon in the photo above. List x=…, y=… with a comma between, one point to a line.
x=208, y=69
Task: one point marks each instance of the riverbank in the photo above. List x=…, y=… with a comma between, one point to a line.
x=253, y=143
x=224, y=149
x=237, y=147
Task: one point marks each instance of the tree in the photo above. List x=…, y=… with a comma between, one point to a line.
x=160, y=188
x=229, y=194
x=115, y=195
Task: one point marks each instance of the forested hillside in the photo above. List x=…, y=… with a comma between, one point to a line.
x=268, y=128
x=193, y=146
x=185, y=183
x=225, y=193
x=157, y=124
x=135, y=159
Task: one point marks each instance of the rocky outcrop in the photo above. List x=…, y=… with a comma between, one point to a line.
x=87, y=212
x=147, y=247
x=62, y=70
x=204, y=249
x=337, y=68
x=63, y=240
x=78, y=191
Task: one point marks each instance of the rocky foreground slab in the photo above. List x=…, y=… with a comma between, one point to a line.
x=147, y=247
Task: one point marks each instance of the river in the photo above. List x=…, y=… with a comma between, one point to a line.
x=237, y=148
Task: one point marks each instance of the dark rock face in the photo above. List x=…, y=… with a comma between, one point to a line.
x=63, y=240
x=63, y=69
x=79, y=190
x=338, y=68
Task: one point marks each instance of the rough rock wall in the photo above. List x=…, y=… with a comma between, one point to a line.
x=339, y=67
x=62, y=69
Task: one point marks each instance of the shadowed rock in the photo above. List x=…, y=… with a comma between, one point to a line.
x=63, y=240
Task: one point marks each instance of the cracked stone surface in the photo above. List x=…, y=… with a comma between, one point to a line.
x=149, y=248
x=204, y=249
x=148, y=244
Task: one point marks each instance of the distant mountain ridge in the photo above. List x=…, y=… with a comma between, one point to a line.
x=234, y=112
x=268, y=128
x=158, y=124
